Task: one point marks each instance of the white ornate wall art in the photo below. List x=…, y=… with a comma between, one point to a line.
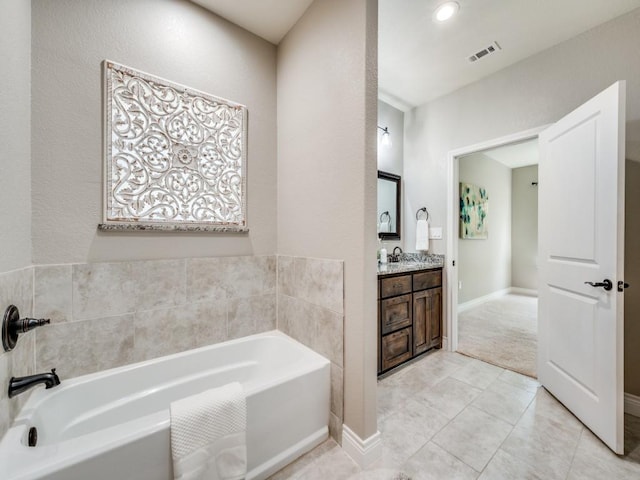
x=175, y=157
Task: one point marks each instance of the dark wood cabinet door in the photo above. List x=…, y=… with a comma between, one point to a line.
x=395, y=313
x=396, y=348
x=435, y=318
x=427, y=318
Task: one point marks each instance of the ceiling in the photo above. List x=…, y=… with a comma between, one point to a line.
x=515, y=155
x=269, y=19
x=419, y=60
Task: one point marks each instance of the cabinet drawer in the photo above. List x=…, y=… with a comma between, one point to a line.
x=395, y=313
x=422, y=281
x=396, y=348
x=390, y=287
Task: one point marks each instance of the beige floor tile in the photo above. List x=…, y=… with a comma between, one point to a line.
x=449, y=396
x=519, y=380
x=391, y=398
x=503, y=466
x=333, y=463
x=433, y=463
x=504, y=400
x=406, y=431
x=593, y=460
x=473, y=437
x=478, y=374
x=292, y=470
x=545, y=437
x=380, y=474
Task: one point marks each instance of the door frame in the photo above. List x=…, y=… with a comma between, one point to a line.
x=451, y=254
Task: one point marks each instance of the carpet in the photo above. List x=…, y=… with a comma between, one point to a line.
x=503, y=332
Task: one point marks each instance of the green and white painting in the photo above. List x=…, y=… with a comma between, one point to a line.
x=474, y=208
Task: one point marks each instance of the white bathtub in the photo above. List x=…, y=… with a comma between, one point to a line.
x=115, y=424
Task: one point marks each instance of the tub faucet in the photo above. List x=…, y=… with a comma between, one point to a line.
x=18, y=385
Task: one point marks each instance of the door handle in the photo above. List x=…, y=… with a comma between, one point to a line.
x=606, y=284
x=622, y=286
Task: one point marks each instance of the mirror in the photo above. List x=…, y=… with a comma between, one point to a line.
x=388, y=206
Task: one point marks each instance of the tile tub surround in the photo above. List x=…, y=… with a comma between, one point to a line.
x=105, y=315
x=16, y=287
x=311, y=310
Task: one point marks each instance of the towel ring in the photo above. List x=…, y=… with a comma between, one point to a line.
x=383, y=214
x=423, y=209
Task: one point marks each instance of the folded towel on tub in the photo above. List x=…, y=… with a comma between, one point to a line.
x=208, y=435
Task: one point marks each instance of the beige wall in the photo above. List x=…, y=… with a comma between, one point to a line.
x=173, y=39
x=485, y=265
x=524, y=228
x=632, y=277
x=15, y=135
x=327, y=88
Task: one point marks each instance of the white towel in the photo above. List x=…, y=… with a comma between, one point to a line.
x=422, y=235
x=385, y=227
x=208, y=435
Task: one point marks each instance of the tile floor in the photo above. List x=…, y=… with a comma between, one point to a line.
x=453, y=417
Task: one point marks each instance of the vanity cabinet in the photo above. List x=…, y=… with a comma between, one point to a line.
x=409, y=316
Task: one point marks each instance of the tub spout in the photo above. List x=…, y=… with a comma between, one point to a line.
x=18, y=385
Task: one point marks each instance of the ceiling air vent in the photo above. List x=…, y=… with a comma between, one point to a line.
x=493, y=48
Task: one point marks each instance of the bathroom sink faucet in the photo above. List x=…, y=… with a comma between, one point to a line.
x=395, y=257
x=18, y=385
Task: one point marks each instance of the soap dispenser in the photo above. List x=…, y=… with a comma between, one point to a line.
x=383, y=255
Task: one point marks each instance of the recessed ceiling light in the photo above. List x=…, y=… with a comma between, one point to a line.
x=445, y=11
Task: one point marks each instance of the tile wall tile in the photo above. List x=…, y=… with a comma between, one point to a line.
x=251, y=315
x=320, y=282
x=78, y=348
x=230, y=277
x=52, y=292
x=337, y=391
x=103, y=290
x=160, y=283
x=286, y=276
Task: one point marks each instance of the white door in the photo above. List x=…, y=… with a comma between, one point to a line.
x=581, y=239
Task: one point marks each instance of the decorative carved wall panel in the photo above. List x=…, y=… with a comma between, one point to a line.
x=175, y=157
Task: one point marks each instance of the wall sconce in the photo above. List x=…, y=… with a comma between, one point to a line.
x=385, y=141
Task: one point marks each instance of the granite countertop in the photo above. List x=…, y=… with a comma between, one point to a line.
x=411, y=264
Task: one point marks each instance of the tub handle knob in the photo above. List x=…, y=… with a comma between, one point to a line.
x=13, y=326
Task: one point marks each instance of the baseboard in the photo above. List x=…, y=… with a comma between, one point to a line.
x=524, y=291
x=363, y=452
x=497, y=294
x=632, y=404
x=480, y=300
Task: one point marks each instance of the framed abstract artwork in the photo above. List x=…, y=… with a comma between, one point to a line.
x=474, y=208
x=175, y=158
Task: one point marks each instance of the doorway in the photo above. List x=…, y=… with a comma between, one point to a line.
x=453, y=225
x=497, y=256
